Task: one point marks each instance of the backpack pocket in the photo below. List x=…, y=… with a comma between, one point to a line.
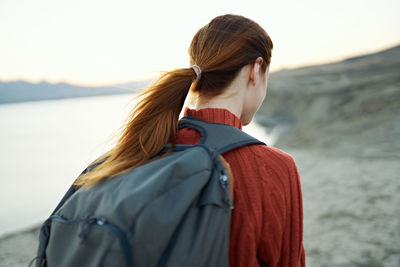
x=91, y=241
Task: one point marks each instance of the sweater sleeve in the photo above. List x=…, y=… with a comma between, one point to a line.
x=281, y=241
x=297, y=254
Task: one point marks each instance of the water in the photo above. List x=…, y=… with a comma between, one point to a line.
x=45, y=145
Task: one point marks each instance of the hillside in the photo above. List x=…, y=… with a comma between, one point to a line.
x=353, y=104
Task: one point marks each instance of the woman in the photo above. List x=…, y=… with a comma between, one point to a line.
x=227, y=83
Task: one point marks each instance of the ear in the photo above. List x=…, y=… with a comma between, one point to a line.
x=255, y=70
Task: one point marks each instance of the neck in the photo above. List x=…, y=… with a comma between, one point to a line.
x=231, y=98
x=230, y=102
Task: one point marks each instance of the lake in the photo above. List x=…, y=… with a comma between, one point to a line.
x=45, y=145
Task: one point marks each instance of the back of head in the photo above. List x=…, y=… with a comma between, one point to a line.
x=220, y=48
x=223, y=46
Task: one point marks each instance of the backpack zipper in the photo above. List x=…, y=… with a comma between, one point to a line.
x=224, y=180
x=100, y=222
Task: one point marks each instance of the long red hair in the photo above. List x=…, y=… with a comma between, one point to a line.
x=221, y=48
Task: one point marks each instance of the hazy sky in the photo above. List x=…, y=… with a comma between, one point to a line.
x=104, y=42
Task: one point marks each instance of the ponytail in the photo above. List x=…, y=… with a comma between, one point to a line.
x=151, y=125
x=221, y=48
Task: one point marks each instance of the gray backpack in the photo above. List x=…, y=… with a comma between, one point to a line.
x=173, y=211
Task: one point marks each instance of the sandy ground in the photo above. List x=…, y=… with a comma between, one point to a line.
x=351, y=208
x=351, y=212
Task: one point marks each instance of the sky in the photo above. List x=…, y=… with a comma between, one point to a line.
x=96, y=42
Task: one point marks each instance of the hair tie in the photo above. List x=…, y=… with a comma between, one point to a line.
x=197, y=70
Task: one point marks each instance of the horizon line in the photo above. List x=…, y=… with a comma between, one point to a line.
x=147, y=77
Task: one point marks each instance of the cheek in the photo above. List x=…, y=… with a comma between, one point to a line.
x=244, y=116
x=265, y=89
x=251, y=105
x=261, y=96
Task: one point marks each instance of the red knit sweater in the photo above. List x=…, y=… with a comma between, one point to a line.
x=267, y=221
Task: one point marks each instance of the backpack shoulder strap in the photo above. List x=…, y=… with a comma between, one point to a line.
x=221, y=137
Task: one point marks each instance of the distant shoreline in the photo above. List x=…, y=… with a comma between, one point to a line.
x=59, y=98
x=22, y=91
x=62, y=98
x=23, y=231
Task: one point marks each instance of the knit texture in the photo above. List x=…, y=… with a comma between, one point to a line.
x=267, y=221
